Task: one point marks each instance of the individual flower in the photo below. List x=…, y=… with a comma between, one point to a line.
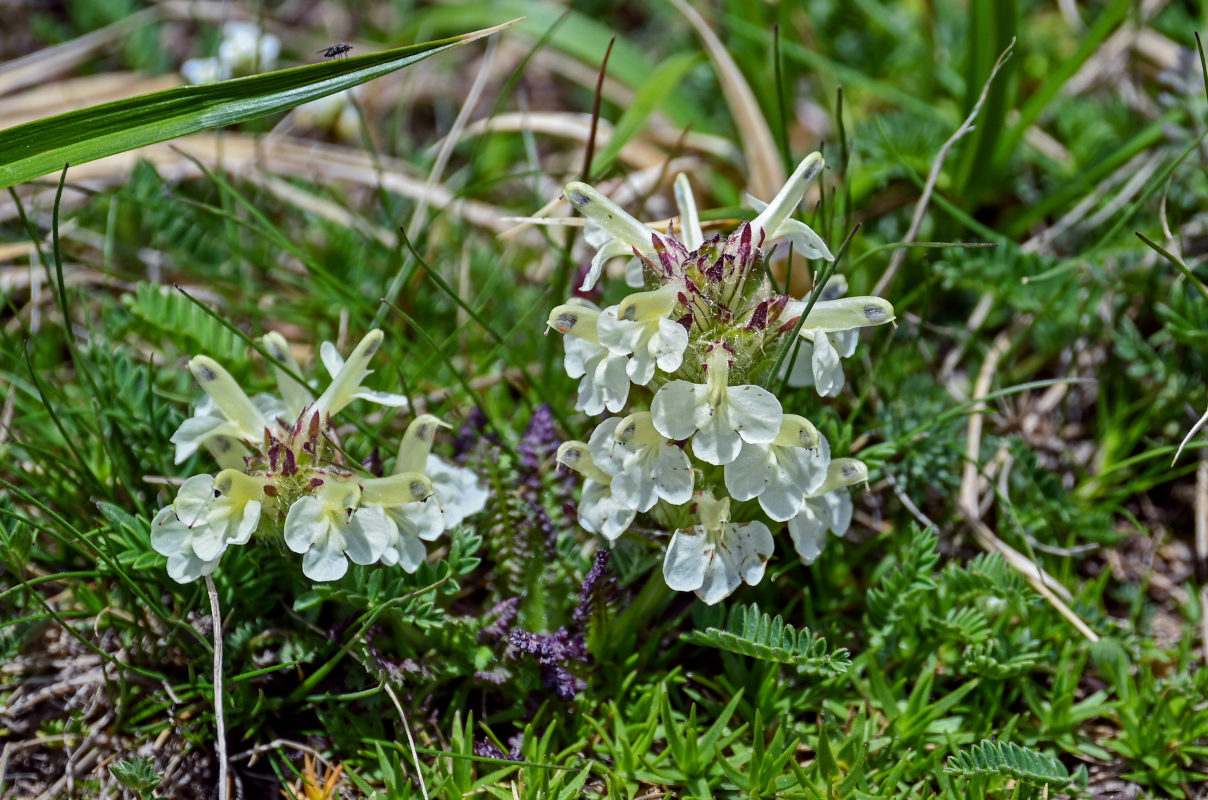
x=610, y=229
x=651, y=467
x=412, y=516
x=329, y=529
x=830, y=333
x=200, y=71
x=781, y=473
x=639, y=325
x=600, y=511
x=775, y=219
x=605, y=379
x=715, y=556
x=208, y=515
x=456, y=490
x=336, y=112
x=346, y=377
x=242, y=50
x=225, y=418
x=718, y=416
x=827, y=508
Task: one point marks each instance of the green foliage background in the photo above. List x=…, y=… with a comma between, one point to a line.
x=906, y=662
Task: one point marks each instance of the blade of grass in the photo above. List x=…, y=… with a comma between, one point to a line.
x=36, y=148
x=1107, y=22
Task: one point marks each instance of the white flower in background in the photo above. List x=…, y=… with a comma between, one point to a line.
x=782, y=473
x=413, y=516
x=246, y=49
x=599, y=510
x=336, y=112
x=714, y=557
x=225, y=417
x=651, y=467
x=639, y=325
x=721, y=416
x=827, y=508
x=830, y=333
x=243, y=50
x=329, y=529
x=346, y=377
x=605, y=379
x=200, y=71
x=208, y=515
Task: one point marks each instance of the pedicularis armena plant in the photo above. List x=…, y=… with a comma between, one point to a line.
x=284, y=475
x=701, y=448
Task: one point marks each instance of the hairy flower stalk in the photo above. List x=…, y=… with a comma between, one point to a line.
x=284, y=478
x=683, y=363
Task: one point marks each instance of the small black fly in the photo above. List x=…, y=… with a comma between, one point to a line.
x=337, y=49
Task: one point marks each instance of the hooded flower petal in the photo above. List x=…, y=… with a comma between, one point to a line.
x=775, y=218
x=295, y=393
x=226, y=412
x=346, y=377
x=619, y=233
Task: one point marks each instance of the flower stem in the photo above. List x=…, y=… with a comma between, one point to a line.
x=219, y=716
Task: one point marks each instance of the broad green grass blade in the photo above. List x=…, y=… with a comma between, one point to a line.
x=36, y=148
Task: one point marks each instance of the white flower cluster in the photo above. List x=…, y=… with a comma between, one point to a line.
x=243, y=50
x=712, y=445
x=283, y=473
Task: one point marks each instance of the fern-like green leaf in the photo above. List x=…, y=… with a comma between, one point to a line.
x=988, y=574
x=167, y=314
x=966, y=624
x=750, y=633
x=1025, y=765
x=989, y=659
x=889, y=601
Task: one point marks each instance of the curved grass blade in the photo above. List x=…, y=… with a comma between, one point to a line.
x=36, y=148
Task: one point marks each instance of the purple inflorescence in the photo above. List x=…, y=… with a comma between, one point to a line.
x=552, y=653
x=470, y=434
x=537, y=448
x=540, y=440
x=597, y=589
x=505, y=614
